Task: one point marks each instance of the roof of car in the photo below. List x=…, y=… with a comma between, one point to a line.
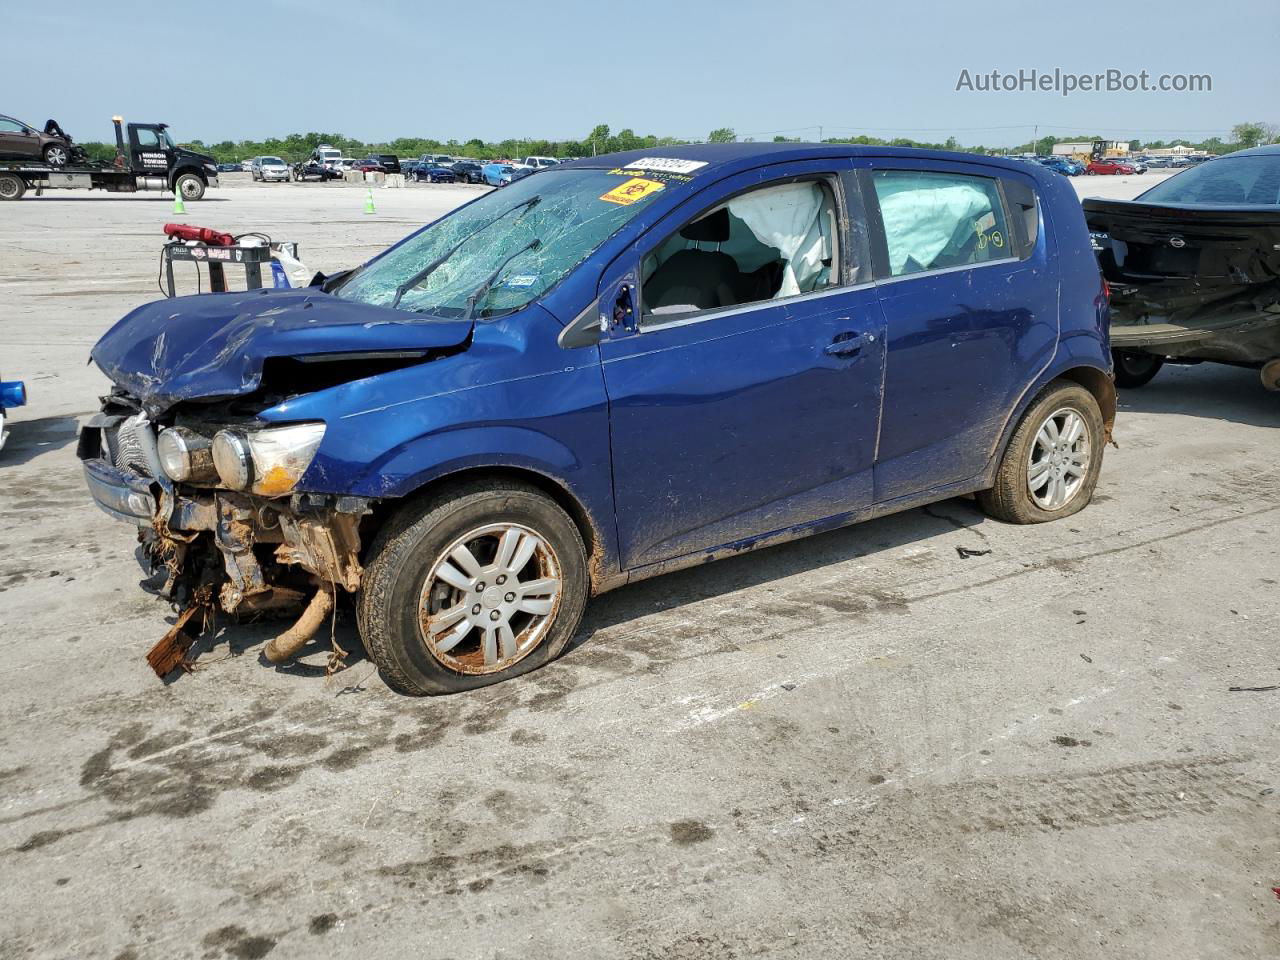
x=1269, y=150
x=728, y=156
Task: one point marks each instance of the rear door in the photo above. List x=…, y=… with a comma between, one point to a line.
x=733, y=422
x=969, y=289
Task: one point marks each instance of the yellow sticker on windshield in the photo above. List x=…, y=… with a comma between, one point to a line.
x=637, y=188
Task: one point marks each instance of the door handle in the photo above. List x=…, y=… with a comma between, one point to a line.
x=847, y=344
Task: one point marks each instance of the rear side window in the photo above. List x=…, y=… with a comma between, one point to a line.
x=1244, y=181
x=933, y=221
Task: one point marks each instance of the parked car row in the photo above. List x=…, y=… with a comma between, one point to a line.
x=327, y=163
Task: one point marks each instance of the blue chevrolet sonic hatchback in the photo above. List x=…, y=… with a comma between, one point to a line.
x=609, y=370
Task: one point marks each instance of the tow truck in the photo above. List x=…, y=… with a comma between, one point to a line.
x=146, y=159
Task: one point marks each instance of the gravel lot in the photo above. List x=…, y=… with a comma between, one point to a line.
x=854, y=745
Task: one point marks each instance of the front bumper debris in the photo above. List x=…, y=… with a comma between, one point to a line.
x=123, y=496
x=223, y=551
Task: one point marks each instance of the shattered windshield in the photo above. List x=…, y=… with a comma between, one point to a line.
x=505, y=250
x=1233, y=181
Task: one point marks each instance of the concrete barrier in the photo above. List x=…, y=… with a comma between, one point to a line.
x=394, y=180
x=375, y=177
x=353, y=176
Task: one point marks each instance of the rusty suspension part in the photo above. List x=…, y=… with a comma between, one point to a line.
x=282, y=648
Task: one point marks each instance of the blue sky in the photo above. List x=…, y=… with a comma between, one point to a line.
x=555, y=68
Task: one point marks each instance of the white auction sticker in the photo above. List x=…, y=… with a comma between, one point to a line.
x=667, y=164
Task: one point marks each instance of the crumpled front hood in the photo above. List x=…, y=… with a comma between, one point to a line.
x=214, y=345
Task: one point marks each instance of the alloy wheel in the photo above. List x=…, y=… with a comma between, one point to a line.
x=1059, y=460
x=490, y=598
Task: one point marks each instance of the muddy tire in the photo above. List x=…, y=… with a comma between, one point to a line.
x=449, y=603
x=1134, y=370
x=1052, y=462
x=12, y=187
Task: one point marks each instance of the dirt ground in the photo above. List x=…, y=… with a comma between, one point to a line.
x=859, y=744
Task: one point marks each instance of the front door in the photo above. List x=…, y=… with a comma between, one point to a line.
x=734, y=420
x=150, y=150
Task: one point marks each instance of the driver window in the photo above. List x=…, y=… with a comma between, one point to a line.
x=147, y=139
x=766, y=244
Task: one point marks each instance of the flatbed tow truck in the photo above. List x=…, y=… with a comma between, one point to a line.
x=146, y=159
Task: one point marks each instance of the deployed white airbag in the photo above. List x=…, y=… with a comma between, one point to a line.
x=922, y=213
x=788, y=218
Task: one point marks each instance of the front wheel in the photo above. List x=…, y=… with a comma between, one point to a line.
x=1134, y=370
x=477, y=585
x=55, y=155
x=1051, y=465
x=190, y=186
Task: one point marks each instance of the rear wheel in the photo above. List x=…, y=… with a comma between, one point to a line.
x=12, y=187
x=478, y=585
x=1134, y=370
x=1271, y=374
x=1051, y=465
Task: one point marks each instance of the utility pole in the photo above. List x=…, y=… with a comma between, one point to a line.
x=819, y=133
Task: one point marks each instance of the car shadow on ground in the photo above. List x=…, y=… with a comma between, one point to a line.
x=772, y=564
x=29, y=439
x=1212, y=390
x=618, y=607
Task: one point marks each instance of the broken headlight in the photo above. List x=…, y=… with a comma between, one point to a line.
x=268, y=461
x=185, y=455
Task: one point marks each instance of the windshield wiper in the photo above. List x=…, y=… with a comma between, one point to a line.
x=482, y=291
x=430, y=268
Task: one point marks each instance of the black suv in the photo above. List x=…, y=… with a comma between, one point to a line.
x=467, y=172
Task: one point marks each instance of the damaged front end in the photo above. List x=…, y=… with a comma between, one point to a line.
x=192, y=449
x=262, y=549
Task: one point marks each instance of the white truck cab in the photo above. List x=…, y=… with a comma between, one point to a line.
x=326, y=155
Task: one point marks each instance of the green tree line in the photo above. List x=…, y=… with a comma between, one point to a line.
x=601, y=140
